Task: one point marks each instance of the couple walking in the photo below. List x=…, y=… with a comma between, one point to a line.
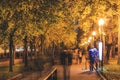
x=93, y=56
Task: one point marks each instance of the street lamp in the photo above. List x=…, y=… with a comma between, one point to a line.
x=90, y=38
x=101, y=23
x=88, y=41
x=94, y=33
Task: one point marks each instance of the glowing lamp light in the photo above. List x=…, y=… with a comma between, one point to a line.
x=100, y=51
x=93, y=33
x=88, y=41
x=101, y=22
x=90, y=38
x=85, y=42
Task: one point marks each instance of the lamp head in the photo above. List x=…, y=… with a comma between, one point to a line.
x=101, y=22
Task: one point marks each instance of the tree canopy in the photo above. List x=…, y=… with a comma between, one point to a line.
x=56, y=20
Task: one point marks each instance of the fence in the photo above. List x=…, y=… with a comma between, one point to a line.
x=99, y=72
x=52, y=75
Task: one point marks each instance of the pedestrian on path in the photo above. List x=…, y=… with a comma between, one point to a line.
x=80, y=56
x=97, y=61
x=92, y=58
x=76, y=56
x=66, y=60
x=86, y=59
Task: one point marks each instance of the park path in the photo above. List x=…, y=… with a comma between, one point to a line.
x=6, y=63
x=78, y=72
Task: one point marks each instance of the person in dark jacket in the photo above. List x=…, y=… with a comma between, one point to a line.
x=63, y=57
x=66, y=61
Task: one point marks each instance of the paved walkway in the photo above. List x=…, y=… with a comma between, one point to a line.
x=6, y=63
x=78, y=72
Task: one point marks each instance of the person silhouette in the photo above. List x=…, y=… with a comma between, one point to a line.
x=66, y=60
x=92, y=58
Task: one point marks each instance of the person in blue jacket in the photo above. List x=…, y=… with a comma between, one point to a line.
x=96, y=53
x=92, y=58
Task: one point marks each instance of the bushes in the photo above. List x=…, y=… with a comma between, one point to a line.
x=112, y=75
x=5, y=74
x=39, y=63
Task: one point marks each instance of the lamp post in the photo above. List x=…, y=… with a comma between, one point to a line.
x=90, y=40
x=94, y=33
x=101, y=23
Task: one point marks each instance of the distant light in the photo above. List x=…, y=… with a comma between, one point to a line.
x=103, y=33
x=101, y=22
x=100, y=51
x=85, y=42
x=82, y=44
x=90, y=38
x=93, y=33
x=19, y=49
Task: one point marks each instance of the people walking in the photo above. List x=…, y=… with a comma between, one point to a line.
x=97, y=61
x=66, y=61
x=92, y=58
x=80, y=56
x=76, y=56
x=86, y=59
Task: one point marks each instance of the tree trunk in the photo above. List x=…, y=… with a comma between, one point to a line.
x=118, y=39
x=53, y=50
x=25, y=52
x=35, y=52
x=113, y=51
x=42, y=44
x=107, y=53
x=5, y=52
x=11, y=53
x=34, y=48
x=31, y=49
x=104, y=50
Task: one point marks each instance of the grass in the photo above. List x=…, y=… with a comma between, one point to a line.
x=112, y=70
x=5, y=74
x=113, y=66
x=19, y=68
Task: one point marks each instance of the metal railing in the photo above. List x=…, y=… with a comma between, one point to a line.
x=52, y=75
x=99, y=72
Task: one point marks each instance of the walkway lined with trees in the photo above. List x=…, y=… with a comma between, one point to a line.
x=45, y=27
